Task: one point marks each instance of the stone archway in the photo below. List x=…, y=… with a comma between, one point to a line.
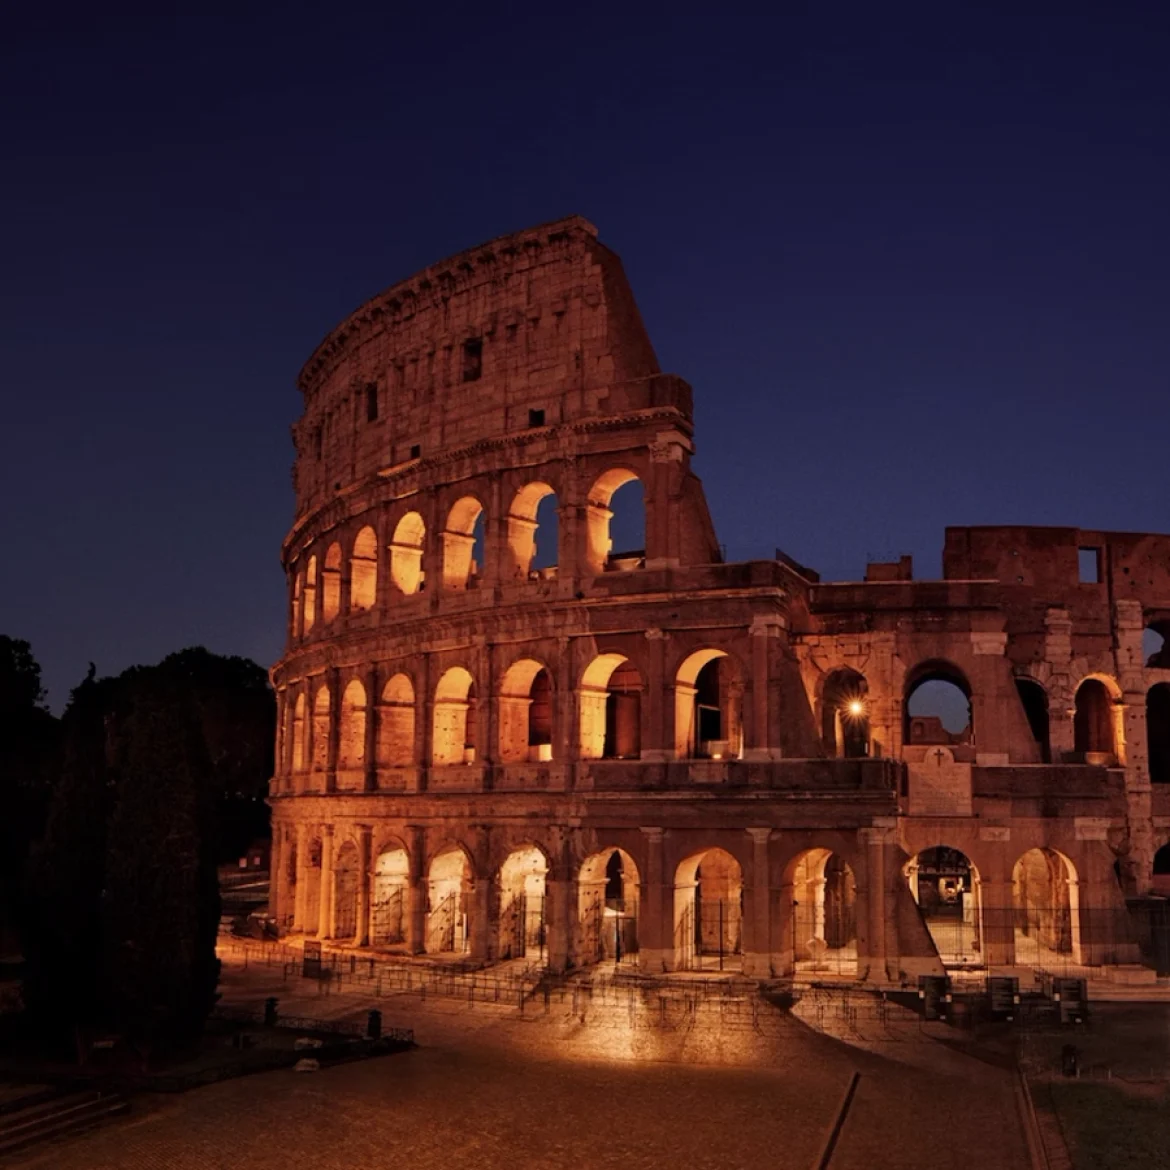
x=390, y=907
x=607, y=908
x=1045, y=909
x=947, y=888
x=522, y=922
x=824, y=914
x=708, y=912
x=449, y=898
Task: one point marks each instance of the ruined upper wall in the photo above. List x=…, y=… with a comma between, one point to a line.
x=534, y=329
x=1130, y=565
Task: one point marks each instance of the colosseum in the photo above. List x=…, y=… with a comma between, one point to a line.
x=501, y=737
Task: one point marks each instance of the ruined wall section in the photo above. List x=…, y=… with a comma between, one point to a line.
x=542, y=321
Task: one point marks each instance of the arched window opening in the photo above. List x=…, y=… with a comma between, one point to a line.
x=298, y=604
x=946, y=887
x=391, y=907
x=352, y=733
x=1093, y=730
x=311, y=895
x=1046, y=909
x=321, y=730
x=331, y=584
x=616, y=523
x=845, y=715
x=453, y=741
x=525, y=713
x=310, y=610
x=522, y=910
x=396, y=723
x=708, y=912
x=708, y=707
x=1034, y=699
x=346, y=874
x=363, y=571
x=1156, y=645
x=298, y=735
x=1162, y=872
x=1158, y=732
x=449, y=898
x=607, y=907
x=611, y=709
x=532, y=532
x=406, y=551
x=824, y=914
x=938, y=707
x=463, y=544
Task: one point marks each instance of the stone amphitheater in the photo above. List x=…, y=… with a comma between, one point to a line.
x=502, y=737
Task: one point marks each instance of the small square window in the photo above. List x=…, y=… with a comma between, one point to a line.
x=1089, y=566
x=415, y=451
x=472, y=359
x=372, y=402
x=536, y=418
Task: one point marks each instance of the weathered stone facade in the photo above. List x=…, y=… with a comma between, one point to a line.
x=656, y=755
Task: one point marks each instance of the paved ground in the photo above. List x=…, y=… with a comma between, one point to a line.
x=491, y=1090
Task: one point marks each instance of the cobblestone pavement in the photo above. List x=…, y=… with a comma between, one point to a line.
x=489, y=1090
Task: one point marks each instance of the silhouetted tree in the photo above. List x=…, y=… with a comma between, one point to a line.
x=29, y=747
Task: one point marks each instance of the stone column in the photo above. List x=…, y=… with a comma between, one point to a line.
x=656, y=726
x=361, y=936
x=759, y=745
x=995, y=891
x=416, y=930
x=302, y=867
x=332, y=675
x=325, y=918
x=1061, y=709
x=276, y=876
x=373, y=714
x=560, y=904
x=656, y=909
x=877, y=840
x=757, y=948
x=424, y=727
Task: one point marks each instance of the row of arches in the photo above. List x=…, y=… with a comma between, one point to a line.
x=708, y=913
x=614, y=512
x=708, y=709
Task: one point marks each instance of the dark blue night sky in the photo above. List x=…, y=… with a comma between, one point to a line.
x=913, y=259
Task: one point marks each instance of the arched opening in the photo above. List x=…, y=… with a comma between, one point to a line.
x=845, y=715
x=1034, y=699
x=1093, y=730
x=522, y=891
x=1158, y=732
x=396, y=723
x=616, y=523
x=1156, y=645
x=311, y=894
x=463, y=533
x=938, y=706
x=453, y=741
x=946, y=887
x=1161, y=885
x=824, y=913
x=331, y=584
x=708, y=912
x=1046, y=909
x=351, y=746
x=298, y=603
x=525, y=713
x=321, y=730
x=708, y=706
x=449, y=898
x=406, y=551
x=346, y=875
x=310, y=610
x=607, y=907
x=532, y=532
x=391, y=907
x=298, y=735
x=611, y=709
x=363, y=570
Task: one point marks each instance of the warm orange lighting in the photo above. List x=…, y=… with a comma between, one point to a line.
x=856, y=708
